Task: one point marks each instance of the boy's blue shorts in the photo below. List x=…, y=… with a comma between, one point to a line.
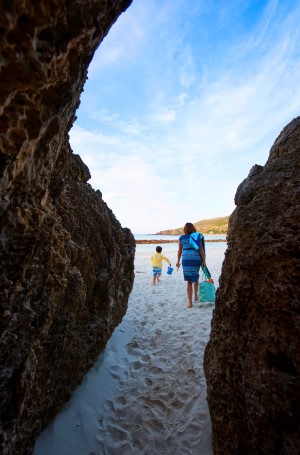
x=156, y=271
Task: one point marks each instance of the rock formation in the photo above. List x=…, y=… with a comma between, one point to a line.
x=252, y=361
x=66, y=262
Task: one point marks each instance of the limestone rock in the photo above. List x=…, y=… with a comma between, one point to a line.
x=252, y=361
x=66, y=262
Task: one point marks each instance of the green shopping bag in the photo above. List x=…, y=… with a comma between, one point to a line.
x=207, y=291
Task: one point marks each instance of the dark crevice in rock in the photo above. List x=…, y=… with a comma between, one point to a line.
x=282, y=363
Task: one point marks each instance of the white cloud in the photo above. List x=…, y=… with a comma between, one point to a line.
x=187, y=67
x=165, y=115
x=126, y=38
x=259, y=36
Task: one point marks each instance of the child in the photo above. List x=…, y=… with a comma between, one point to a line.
x=157, y=264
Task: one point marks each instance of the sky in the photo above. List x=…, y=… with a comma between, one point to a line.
x=183, y=97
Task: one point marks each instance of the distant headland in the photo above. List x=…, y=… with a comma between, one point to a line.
x=210, y=226
x=153, y=241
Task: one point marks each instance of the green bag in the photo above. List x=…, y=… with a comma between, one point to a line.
x=207, y=291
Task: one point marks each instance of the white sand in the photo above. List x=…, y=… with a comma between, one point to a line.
x=147, y=394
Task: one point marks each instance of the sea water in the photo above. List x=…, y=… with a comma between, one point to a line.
x=174, y=246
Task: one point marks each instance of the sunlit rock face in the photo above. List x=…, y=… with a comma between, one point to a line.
x=66, y=262
x=252, y=361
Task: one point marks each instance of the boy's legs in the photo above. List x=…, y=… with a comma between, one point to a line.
x=153, y=275
x=156, y=274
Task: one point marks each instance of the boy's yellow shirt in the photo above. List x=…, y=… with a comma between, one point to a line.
x=157, y=259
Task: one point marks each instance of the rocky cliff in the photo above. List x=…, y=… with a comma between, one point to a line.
x=66, y=262
x=252, y=361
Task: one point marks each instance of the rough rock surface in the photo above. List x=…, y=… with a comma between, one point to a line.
x=252, y=361
x=66, y=262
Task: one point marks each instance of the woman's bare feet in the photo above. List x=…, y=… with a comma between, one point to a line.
x=189, y=306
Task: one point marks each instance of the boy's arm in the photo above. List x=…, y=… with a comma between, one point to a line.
x=166, y=259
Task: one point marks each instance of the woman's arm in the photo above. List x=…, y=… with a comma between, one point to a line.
x=202, y=254
x=179, y=253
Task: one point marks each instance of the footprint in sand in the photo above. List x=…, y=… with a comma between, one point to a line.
x=121, y=400
x=136, y=365
x=132, y=347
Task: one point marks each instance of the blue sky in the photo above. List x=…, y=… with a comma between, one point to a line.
x=183, y=97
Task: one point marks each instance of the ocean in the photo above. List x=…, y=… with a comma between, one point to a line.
x=174, y=246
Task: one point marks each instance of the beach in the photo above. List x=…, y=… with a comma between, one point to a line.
x=146, y=393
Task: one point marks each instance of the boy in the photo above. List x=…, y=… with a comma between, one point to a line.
x=157, y=264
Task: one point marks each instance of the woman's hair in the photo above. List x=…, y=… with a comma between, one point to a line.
x=189, y=228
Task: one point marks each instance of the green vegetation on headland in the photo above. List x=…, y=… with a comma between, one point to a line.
x=211, y=226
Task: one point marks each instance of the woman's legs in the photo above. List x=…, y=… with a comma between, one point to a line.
x=189, y=291
x=196, y=285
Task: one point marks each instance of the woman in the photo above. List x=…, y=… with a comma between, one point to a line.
x=192, y=259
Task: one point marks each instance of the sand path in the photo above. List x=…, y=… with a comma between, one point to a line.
x=147, y=393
